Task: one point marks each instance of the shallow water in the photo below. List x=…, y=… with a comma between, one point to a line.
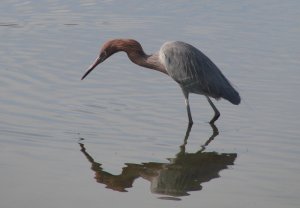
x=120, y=137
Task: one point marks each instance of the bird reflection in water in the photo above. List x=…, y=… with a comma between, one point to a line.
x=182, y=174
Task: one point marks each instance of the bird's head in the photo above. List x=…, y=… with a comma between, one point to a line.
x=110, y=47
x=106, y=51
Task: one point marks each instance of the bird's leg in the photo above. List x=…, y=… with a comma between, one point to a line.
x=187, y=134
x=189, y=111
x=186, y=96
x=217, y=113
x=212, y=137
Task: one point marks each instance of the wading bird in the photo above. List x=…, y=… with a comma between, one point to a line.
x=188, y=66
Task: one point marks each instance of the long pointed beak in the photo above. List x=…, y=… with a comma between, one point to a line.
x=97, y=61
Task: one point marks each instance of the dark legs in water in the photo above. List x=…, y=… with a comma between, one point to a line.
x=215, y=132
x=188, y=109
x=186, y=96
x=217, y=113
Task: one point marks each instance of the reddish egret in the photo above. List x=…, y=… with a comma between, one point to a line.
x=189, y=67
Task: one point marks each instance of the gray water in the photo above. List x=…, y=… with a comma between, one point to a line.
x=120, y=138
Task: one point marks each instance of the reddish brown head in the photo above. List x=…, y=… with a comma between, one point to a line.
x=113, y=46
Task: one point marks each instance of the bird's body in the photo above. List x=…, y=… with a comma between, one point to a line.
x=195, y=72
x=188, y=66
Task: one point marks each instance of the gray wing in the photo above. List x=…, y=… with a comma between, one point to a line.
x=195, y=72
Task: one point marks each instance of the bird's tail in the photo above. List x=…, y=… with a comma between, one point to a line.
x=231, y=95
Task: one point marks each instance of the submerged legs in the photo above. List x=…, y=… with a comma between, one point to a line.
x=186, y=96
x=217, y=113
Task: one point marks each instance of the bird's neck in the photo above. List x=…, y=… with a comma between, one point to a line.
x=153, y=62
x=144, y=60
x=137, y=55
